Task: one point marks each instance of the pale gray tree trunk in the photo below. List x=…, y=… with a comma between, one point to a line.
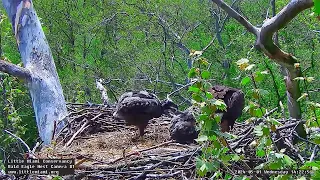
x=39, y=70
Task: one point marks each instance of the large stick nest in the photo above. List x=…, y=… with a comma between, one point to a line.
x=103, y=148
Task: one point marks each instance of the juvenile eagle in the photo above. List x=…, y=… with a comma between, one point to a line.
x=234, y=99
x=138, y=107
x=183, y=128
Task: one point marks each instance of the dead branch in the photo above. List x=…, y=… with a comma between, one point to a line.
x=237, y=16
x=143, y=150
x=30, y=153
x=83, y=127
x=15, y=70
x=103, y=91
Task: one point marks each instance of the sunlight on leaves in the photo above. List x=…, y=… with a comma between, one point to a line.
x=298, y=79
x=248, y=68
x=303, y=96
x=243, y=63
x=202, y=138
x=310, y=79
x=195, y=53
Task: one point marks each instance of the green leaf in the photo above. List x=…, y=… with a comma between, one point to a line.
x=275, y=165
x=217, y=118
x=258, y=131
x=205, y=74
x=268, y=142
x=17, y=91
x=212, y=138
x=227, y=176
x=266, y=131
x=207, y=110
x=202, y=138
x=203, y=117
x=288, y=161
x=192, y=73
x=310, y=79
x=311, y=164
x=198, y=84
x=242, y=61
x=316, y=7
x=249, y=67
x=220, y=104
x=207, y=86
x=209, y=95
x=245, y=80
x=260, y=152
x=204, y=167
x=263, y=92
x=236, y=157
x=316, y=139
x=258, y=76
x=196, y=97
x=258, y=113
x=194, y=89
x=201, y=166
x=204, y=61
x=57, y=178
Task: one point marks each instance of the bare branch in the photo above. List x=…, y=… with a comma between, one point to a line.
x=285, y=16
x=30, y=153
x=251, y=28
x=272, y=25
x=15, y=70
x=103, y=91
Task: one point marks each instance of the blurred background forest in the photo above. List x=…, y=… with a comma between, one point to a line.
x=146, y=45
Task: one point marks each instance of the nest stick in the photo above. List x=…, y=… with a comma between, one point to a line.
x=147, y=149
x=83, y=127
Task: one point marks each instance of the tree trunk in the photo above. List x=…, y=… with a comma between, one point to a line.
x=39, y=70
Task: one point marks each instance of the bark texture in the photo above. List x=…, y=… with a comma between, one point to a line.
x=43, y=82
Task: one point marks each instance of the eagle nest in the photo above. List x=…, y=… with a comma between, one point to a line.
x=103, y=149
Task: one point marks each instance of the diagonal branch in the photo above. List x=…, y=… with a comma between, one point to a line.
x=242, y=20
x=15, y=70
x=286, y=15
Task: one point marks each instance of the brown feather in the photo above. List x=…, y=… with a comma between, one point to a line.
x=234, y=99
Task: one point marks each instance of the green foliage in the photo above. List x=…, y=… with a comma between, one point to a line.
x=316, y=7
x=214, y=149
x=16, y=116
x=57, y=178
